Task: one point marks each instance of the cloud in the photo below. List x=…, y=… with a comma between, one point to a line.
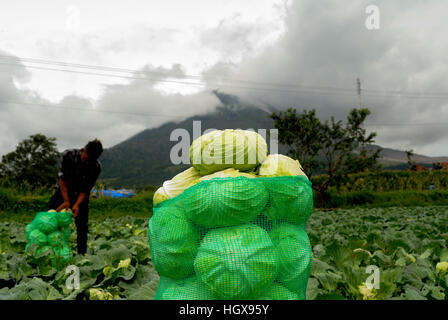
x=303, y=44
x=327, y=45
x=121, y=111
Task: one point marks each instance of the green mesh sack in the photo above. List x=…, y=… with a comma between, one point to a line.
x=43, y=249
x=173, y=242
x=28, y=229
x=63, y=253
x=56, y=239
x=46, y=222
x=38, y=237
x=236, y=262
x=50, y=231
x=225, y=201
x=294, y=254
x=290, y=198
x=64, y=218
x=186, y=289
x=66, y=233
x=244, y=240
x=278, y=292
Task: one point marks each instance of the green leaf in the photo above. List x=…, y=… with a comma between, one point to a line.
x=413, y=294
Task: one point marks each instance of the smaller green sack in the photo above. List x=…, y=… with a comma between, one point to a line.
x=64, y=218
x=46, y=222
x=66, y=233
x=38, y=237
x=64, y=253
x=43, y=249
x=56, y=239
x=29, y=228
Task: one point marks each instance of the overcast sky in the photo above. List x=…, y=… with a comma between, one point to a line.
x=302, y=54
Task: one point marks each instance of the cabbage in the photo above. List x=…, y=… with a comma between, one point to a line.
x=173, y=242
x=66, y=233
x=159, y=196
x=278, y=292
x=56, y=239
x=28, y=229
x=236, y=262
x=64, y=218
x=227, y=173
x=177, y=185
x=292, y=200
x=218, y=150
x=64, y=253
x=225, y=202
x=46, y=222
x=38, y=237
x=43, y=249
x=279, y=165
x=294, y=255
x=185, y=289
x=181, y=182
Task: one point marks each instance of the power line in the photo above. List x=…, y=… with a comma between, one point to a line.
x=293, y=88
x=90, y=110
x=177, y=116
x=319, y=92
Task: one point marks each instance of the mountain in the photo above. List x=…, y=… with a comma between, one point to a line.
x=392, y=156
x=144, y=159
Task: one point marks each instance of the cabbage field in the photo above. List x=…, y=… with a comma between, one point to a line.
x=408, y=245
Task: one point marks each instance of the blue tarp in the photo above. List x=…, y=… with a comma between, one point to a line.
x=122, y=193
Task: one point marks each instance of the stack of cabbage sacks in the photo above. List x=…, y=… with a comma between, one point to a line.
x=230, y=234
x=50, y=231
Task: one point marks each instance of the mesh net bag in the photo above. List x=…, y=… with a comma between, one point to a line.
x=234, y=238
x=50, y=231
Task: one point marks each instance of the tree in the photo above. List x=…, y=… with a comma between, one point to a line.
x=409, y=155
x=34, y=162
x=329, y=147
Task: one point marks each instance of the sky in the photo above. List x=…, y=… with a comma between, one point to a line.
x=132, y=65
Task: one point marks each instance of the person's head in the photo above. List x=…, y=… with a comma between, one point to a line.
x=92, y=151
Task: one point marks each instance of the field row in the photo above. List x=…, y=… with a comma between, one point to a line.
x=407, y=246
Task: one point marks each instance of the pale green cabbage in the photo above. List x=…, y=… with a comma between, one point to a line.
x=177, y=185
x=276, y=165
x=159, y=196
x=227, y=173
x=221, y=149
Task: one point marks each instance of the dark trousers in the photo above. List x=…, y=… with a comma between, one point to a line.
x=81, y=221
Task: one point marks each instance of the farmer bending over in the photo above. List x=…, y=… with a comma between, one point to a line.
x=78, y=173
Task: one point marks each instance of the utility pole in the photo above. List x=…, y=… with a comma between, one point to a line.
x=358, y=89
